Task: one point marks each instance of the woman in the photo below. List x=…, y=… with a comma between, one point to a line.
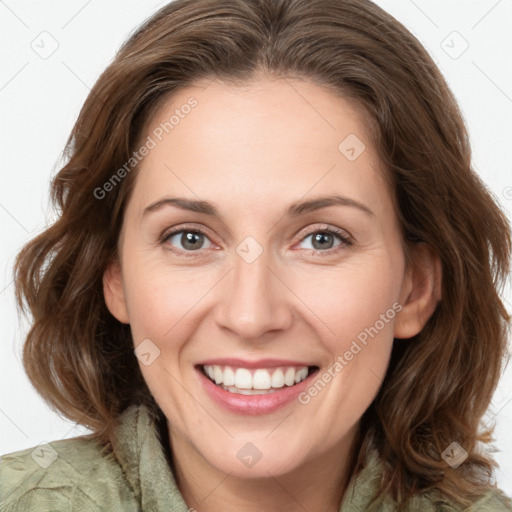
x=273, y=284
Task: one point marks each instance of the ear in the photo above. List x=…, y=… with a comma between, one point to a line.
x=421, y=291
x=113, y=291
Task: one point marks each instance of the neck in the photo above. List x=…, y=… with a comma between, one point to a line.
x=318, y=484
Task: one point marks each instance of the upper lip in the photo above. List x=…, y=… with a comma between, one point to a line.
x=260, y=363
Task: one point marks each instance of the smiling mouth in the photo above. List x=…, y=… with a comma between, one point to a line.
x=257, y=381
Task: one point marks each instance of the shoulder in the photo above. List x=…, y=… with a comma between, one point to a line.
x=364, y=493
x=70, y=474
x=494, y=500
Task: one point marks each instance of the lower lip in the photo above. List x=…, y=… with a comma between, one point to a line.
x=254, y=405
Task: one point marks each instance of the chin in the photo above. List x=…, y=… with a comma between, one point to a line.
x=273, y=465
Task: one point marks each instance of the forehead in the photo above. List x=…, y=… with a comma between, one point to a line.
x=266, y=143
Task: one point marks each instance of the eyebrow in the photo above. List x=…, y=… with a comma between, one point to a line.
x=295, y=209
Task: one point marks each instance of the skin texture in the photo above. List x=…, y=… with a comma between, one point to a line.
x=252, y=151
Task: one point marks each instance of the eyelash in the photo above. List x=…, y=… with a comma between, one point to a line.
x=345, y=239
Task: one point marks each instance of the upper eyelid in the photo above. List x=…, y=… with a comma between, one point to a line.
x=326, y=227
x=173, y=231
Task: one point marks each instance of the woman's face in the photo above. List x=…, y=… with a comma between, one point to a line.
x=255, y=274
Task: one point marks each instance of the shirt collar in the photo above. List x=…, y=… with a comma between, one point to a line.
x=138, y=449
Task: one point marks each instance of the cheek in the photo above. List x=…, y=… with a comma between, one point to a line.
x=350, y=299
x=158, y=298
x=359, y=305
x=354, y=308
x=166, y=304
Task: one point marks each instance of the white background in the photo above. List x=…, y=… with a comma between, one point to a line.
x=41, y=97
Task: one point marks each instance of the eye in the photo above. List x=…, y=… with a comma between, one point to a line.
x=323, y=240
x=191, y=240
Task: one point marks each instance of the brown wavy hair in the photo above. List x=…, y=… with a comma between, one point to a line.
x=439, y=384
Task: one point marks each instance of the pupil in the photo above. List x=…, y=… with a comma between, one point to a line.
x=321, y=238
x=189, y=238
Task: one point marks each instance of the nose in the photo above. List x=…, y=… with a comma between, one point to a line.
x=254, y=300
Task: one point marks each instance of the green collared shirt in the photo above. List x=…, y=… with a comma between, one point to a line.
x=79, y=474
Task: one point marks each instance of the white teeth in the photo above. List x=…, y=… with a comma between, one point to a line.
x=278, y=378
x=289, y=377
x=229, y=377
x=217, y=373
x=233, y=389
x=260, y=379
x=243, y=378
x=301, y=375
